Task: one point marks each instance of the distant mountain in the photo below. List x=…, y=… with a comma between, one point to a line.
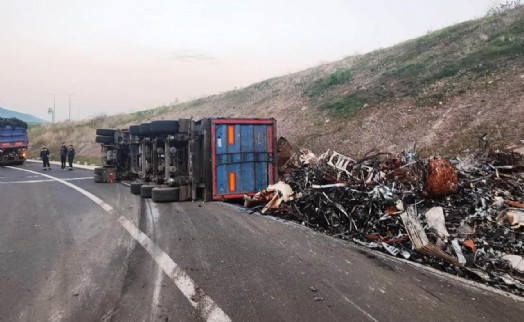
x=28, y=118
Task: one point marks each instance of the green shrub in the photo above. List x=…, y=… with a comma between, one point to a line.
x=408, y=71
x=339, y=77
x=346, y=106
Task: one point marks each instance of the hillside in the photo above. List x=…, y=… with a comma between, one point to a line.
x=438, y=91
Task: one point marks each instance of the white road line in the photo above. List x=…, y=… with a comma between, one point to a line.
x=196, y=297
x=368, y=315
x=48, y=180
x=208, y=309
x=360, y=309
x=152, y=216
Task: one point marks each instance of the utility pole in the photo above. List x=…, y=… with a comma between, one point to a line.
x=52, y=111
x=69, y=106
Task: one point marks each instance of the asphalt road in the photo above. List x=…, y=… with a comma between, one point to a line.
x=73, y=250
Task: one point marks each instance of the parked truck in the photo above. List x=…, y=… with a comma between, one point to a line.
x=177, y=160
x=13, y=141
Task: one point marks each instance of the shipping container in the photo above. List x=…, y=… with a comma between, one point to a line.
x=234, y=156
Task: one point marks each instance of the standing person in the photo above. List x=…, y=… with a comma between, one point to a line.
x=44, y=155
x=63, y=155
x=71, y=156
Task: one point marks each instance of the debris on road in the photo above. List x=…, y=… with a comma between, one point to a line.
x=464, y=216
x=274, y=195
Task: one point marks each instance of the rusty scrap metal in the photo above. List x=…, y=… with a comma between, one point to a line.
x=385, y=202
x=441, y=179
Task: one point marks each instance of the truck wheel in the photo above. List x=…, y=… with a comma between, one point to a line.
x=145, y=129
x=184, y=193
x=164, y=127
x=134, y=129
x=146, y=190
x=135, y=188
x=104, y=139
x=164, y=194
x=97, y=178
x=105, y=132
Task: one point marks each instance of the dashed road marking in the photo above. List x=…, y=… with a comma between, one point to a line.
x=206, y=307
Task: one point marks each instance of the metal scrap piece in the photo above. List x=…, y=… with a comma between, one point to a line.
x=437, y=222
x=508, y=280
x=516, y=262
x=420, y=239
x=337, y=161
x=458, y=251
x=441, y=179
x=515, y=204
x=307, y=157
x=515, y=217
x=368, y=245
x=391, y=249
x=480, y=273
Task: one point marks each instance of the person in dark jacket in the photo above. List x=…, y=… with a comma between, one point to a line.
x=63, y=155
x=44, y=155
x=70, y=156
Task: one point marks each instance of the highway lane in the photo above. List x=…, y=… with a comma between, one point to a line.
x=62, y=257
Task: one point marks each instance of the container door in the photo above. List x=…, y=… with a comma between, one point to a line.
x=243, y=154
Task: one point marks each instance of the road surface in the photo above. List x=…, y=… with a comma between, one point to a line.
x=73, y=250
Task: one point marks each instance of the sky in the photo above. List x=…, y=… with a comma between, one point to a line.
x=118, y=56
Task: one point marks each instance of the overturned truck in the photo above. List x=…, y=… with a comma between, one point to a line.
x=178, y=160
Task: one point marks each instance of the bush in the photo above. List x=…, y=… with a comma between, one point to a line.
x=347, y=105
x=338, y=77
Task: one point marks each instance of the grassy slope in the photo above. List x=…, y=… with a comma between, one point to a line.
x=438, y=91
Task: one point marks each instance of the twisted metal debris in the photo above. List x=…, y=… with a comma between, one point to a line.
x=464, y=216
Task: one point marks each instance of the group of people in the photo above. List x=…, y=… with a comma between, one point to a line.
x=65, y=153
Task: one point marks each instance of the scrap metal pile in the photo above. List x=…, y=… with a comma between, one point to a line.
x=464, y=216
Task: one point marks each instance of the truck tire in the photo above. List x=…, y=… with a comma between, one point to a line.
x=146, y=190
x=134, y=129
x=135, y=187
x=164, y=127
x=145, y=129
x=184, y=125
x=164, y=194
x=97, y=178
x=105, y=132
x=104, y=139
x=184, y=193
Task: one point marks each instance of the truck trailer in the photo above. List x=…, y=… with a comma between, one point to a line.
x=177, y=160
x=13, y=141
